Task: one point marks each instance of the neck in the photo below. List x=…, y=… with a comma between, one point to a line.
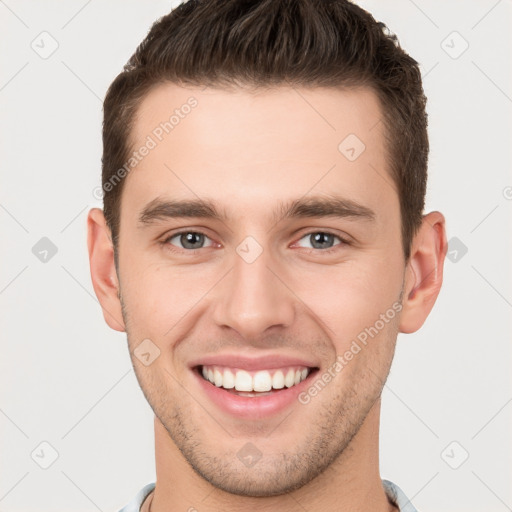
x=352, y=482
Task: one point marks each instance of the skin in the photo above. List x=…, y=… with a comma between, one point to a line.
x=247, y=151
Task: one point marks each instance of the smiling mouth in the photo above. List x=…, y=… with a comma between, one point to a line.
x=255, y=383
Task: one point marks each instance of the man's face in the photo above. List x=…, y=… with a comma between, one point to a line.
x=226, y=292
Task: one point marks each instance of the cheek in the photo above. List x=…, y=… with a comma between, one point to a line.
x=157, y=296
x=351, y=297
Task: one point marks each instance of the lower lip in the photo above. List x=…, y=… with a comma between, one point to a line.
x=253, y=407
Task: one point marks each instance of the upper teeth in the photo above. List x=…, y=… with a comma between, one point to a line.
x=263, y=380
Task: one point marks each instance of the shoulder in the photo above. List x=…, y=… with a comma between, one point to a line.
x=398, y=497
x=135, y=504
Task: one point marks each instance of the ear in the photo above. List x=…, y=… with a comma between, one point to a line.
x=103, y=271
x=424, y=272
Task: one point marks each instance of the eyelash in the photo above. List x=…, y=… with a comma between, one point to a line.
x=165, y=243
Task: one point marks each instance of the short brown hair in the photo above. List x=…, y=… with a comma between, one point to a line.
x=266, y=43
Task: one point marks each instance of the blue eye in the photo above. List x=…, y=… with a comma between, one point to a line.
x=189, y=240
x=322, y=240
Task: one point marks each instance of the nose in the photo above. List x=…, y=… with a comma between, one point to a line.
x=253, y=298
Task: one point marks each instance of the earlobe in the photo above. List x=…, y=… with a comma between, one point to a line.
x=424, y=272
x=103, y=271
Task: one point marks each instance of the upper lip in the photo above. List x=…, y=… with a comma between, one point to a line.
x=266, y=362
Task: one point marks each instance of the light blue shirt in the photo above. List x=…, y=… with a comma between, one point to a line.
x=394, y=493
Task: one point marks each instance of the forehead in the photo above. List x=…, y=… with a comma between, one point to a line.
x=281, y=112
x=254, y=146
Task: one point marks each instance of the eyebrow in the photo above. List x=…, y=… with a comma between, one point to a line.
x=316, y=206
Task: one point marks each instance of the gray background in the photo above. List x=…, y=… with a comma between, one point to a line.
x=66, y=378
